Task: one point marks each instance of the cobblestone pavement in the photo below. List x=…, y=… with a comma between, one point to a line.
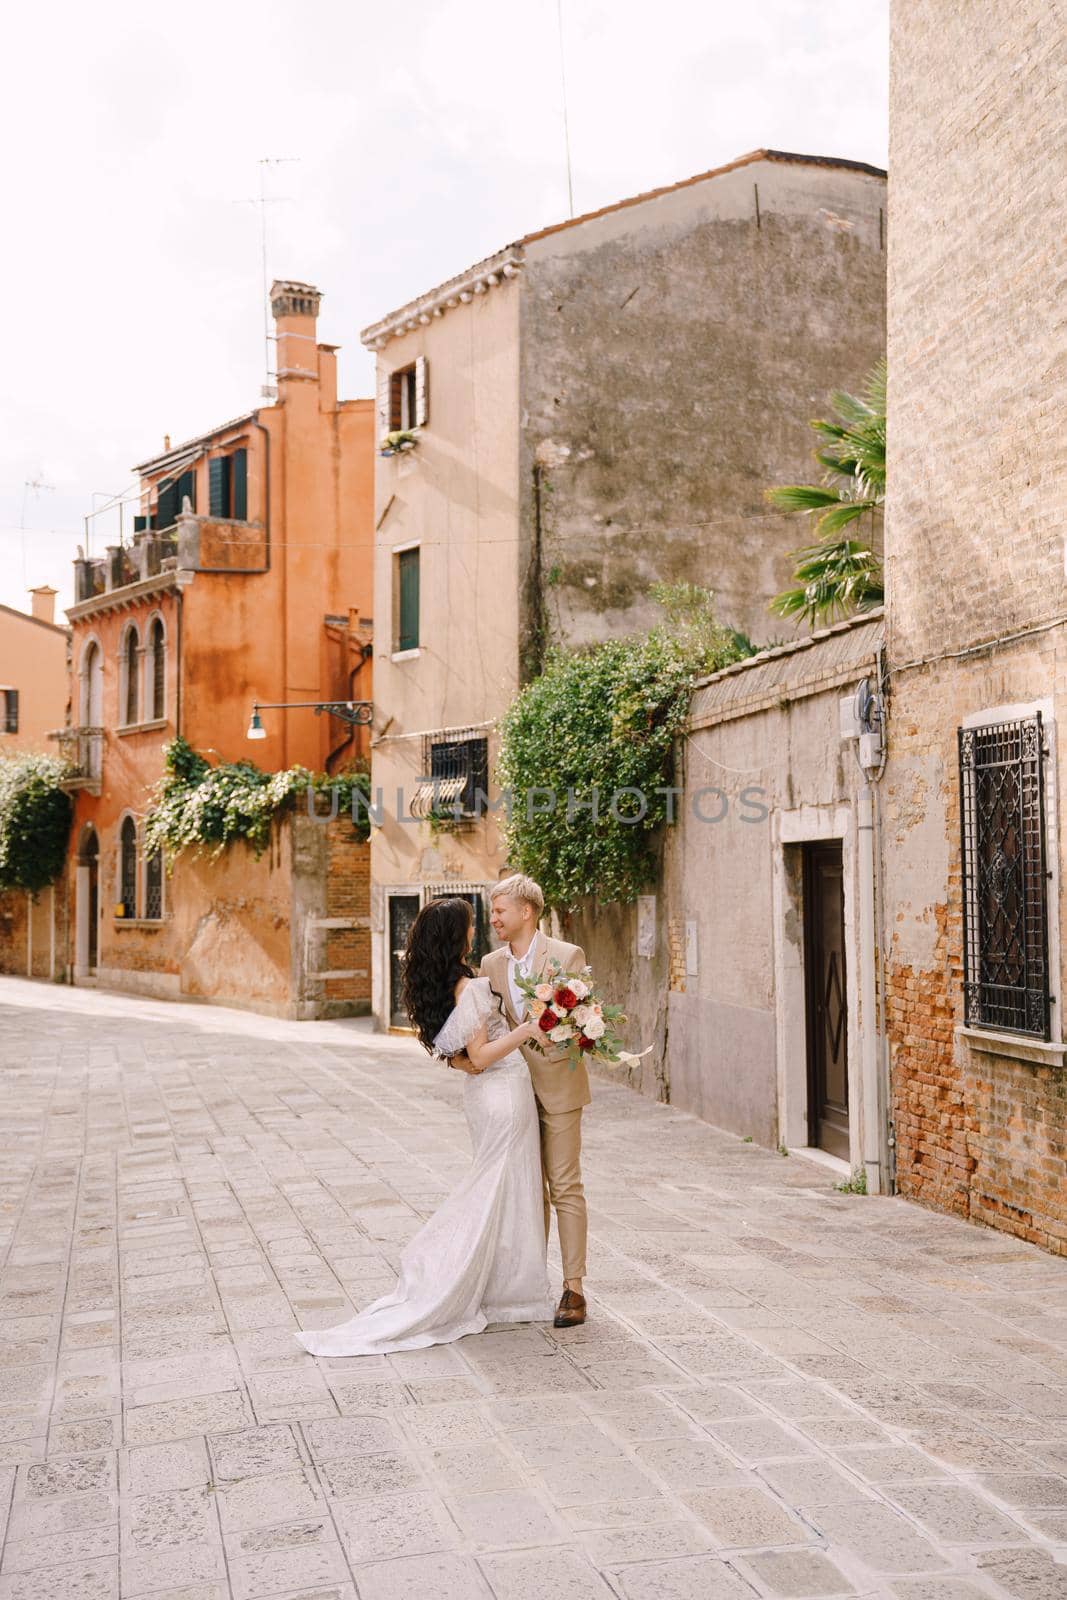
x=781, y=1391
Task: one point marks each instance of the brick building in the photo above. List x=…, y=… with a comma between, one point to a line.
x=977, y=615
x=248, y=579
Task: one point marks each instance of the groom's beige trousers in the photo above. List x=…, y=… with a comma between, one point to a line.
x=560, y=1092
x=561, y=1154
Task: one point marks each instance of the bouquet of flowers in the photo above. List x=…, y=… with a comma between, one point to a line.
x=570, y=1014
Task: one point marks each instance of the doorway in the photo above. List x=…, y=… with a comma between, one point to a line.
x=825, y=998
x=87, y=893
x=403, y=909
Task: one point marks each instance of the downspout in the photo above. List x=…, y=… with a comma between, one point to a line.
x=876, y=1155
x=869, y=1074
x=178, y=670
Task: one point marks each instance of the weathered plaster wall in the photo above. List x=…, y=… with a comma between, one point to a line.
x=456, y=496
x=975, y=553
x=286, y=934
x=672, y=355
x=730, y=1036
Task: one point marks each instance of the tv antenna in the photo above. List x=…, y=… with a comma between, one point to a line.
x=34, y=486
x=563, y=87
x=263, y=200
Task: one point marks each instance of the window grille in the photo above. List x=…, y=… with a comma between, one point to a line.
x=1005, y=881
x=456, y=780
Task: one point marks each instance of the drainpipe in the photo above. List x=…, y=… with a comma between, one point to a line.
x=869, y=1074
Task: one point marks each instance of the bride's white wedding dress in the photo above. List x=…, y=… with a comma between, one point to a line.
x=481, y=1257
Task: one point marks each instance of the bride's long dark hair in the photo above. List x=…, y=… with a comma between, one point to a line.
x=435, y=958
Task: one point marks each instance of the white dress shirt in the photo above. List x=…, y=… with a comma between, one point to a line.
x=520, y=966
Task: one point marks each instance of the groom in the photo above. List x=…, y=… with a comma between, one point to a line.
x=516, y=906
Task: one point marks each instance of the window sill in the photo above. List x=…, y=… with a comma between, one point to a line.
x=141, y=727
x=139, y=922
x=1015, y=1046
x=406, y=655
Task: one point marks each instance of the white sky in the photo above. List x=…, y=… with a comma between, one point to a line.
x=428, y=135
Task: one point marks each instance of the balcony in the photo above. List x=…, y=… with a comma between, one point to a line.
x=146, y=557
x=83, y=750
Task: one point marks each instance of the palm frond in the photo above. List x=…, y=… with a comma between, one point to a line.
x=802, y=497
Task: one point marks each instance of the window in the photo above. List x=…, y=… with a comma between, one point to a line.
x=153, y=886
x=456, y=780
x=157, y=662
x=1005, y=890
x=171, y=494
x=407, y=590
x=128, y=867
x=9, y=710
x=130, y=700
x=405, y=397
x=228, y=486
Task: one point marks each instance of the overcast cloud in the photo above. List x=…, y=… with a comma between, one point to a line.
x=427, y=134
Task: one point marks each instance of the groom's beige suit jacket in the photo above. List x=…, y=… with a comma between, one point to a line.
x=557, y=1085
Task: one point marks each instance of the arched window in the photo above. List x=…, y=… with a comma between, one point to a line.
x=128, y=866
x=157, y=668
x=153, y=886
x=128, y=677
x=91, y=709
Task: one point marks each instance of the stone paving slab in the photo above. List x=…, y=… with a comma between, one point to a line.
x=782, y=1391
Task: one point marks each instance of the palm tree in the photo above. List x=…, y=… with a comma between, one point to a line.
x=840, y=573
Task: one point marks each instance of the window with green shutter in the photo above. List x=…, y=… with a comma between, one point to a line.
x=218, y=486
x=166, y=505
x=239, y=485
x=407, y=572
x=186, y=490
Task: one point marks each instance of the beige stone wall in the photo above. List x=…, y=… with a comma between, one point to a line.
x=978, y=371
x=975, y=554
x=673, y=354
x=456, y=496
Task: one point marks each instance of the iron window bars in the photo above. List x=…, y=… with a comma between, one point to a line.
x=456, y=781
x=1005, y=880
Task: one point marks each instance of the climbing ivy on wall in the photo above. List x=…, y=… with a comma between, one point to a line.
x=601, y=720
x=35, y=816
x=196, y=805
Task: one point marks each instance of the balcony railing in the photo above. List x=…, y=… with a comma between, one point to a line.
x=83, y=749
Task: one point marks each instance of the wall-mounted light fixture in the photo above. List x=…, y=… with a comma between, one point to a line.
x=354, y=712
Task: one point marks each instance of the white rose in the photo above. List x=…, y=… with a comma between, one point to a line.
x=578, y=988
x=544, y=991
x=560, y=1035
x=581, y=1014
x=561, y=1011
x=594, y=1028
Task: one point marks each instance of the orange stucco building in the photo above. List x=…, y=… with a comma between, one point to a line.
x=34, y=675
x=248, y=579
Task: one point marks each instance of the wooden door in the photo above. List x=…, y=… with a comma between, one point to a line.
x=825, y=997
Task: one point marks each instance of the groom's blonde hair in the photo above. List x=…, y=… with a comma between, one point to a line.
x=520, y=887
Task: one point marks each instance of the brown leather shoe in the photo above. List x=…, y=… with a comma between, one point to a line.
x=570, y=1311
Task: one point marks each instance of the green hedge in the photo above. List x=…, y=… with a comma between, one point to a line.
x=604, y=719
x=35, y=817
x=196, y=805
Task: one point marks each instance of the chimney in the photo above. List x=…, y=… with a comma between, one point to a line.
x=295, y=307
x=43, y=602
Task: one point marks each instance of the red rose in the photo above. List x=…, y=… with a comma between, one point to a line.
x=547, y=1021
x=566, y=998
x=586, y=1044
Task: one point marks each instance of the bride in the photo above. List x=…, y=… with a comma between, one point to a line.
x=481, y=1257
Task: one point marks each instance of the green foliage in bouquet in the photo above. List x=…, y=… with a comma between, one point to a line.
x=35, y=815
x=196, y=805
x=601, y=720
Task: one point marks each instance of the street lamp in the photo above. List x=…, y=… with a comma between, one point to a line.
x=354, y=712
